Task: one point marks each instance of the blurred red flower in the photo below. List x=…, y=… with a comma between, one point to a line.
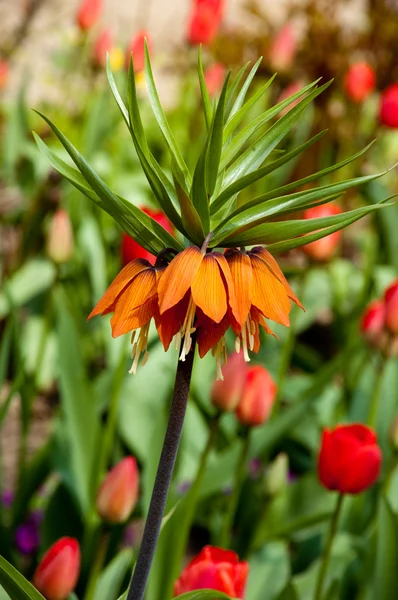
x=324, y=248
x=391, y=307
x=4, y=69
x=214, y=78
x=389, y=106
x=226, y=393
x=214, y=569
x=131, y=250
x=137, y=49
x=58, y=571
x=60, y=243
x=359, y=81
x=373, y=320
x=283, y=49
x=257, y=398
x=103, y=45
x=118, y=493
x=88, y=14
x=349, y=459
x=205, y=20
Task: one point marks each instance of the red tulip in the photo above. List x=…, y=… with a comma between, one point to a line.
x=389, y=106
x=136, y=48
x=372, y=325
x=359, y=81
x=226, y=393
x=214, y=78
x=391, y=304
x=204, y=22
x=118, y=493
x=58, y=571
x=324, y=248
x=349, y=459
x=283, y=49
x=102, y=46
x=214, y=569
x=131, y=250
x=88, y=14
x=3, y=74
x=257, y=398
x=60, y=244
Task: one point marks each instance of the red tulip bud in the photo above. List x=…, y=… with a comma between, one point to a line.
x=226, y=393
x=214, y=569
x=204, y=23
x=324, y=248
x=136, y=48
x=349, y=459
x=3, y=74
x=257, y=398
x=359, y=81
x=391, y=304
x=389, y=106
x=283, y=49
x=60, y=237
x=88, y=14
x=214, y=78
x=372, y=325
x=130, y=249
x=118, y=493
x=102, y=46
x=58, y=571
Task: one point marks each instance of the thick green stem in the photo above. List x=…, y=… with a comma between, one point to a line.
x=97, y=566
x=375, y=401
x=328, y=548
x=240, y=475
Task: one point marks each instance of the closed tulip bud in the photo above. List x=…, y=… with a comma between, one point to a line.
x=3, y=74
x=60, y=244
x=131, y=250
x=214, y=78
x=359, y=81
x=391, y=304
x=137, y=49
x=257, y=398
x=58, y=571
x=88, y=14
x=372, y=325
x=389, y=106
x=226, y=392
x=350, y=459
x=324, y=248
x=102, y=46
x=204, y=23
x=118, y=493
x=283, y=49
x=214, y=569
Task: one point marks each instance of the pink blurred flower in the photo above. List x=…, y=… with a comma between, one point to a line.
x=283, y=49
x=102, y=46
x=214, y=78
x=136, y=48
x=389, y=107
x=118, y=493
x=60, y=245
x=4, y=70
x=324, y=248
x=226, y=393
x=88, y=14
x=391, y=307
x=359, y=81
x=288, y=91
x=257, y=398
x=204, y=22
x=372, y=324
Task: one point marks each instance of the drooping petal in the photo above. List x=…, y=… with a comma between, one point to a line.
x=178, y=277
x=135, y=319
x=269, y=295
x=209, y=333
x=259, y=319
x=121, y=281
x=138, y=292
x=229, y=284
x=170, y=322
x=242, y=277
x=273, y=266
x=208, y=291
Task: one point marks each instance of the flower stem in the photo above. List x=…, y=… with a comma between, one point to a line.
x=375, y=401
x=97, y=566
x=240, y=473
x=328, y=548
x=163, y=477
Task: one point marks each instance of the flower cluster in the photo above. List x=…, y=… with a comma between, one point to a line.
x=380, y=321
x=199, y=292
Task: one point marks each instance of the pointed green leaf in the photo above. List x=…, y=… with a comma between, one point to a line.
x=190, y=217
x=203, y=90
x=244, y=89
x=15, y=584
x=233, y=87
x=199, y=192
x=215, y=143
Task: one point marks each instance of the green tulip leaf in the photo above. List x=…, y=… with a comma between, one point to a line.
x=15, y=584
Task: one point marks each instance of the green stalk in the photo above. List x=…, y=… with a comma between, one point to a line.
x=240, y=474
x=328, y=548
x=375, y=401
x=97, y=566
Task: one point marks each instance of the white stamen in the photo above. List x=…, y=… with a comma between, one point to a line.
x=140, y=347
x=188, y=329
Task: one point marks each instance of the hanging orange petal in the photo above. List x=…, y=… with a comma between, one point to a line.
x=259, y=319
x=178, y=277
x=139, y=291
x=269, y=295
x=242, y=277
x=170, y=322
x=136, y=319
x=209, y=333
x=226, y=273
x=208, y=291
x=121, y=281
x=273, y=266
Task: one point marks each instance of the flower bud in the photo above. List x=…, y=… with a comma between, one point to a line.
x=103, y=45
x=204, y=23
x=60, y=237
x=324, y=248
x=118, y=493
x=389, y=106
x=130, y=249
x=372, y=325
x=391, y=304
x=226, y=393
x=257, y=398
x=137, y=49
x=214, y=78
x=277, y=474
x=214, y=569
x=283, y=49
x=3, y=74
x=58, y=571
x=359, y=81
x=88, y=14
x=349, y=459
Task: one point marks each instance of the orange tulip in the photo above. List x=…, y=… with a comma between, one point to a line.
x=136, y=48
x=59, y=244
x=257, y=398
x=226, y=392
x=118, y=493
x=58, y=571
